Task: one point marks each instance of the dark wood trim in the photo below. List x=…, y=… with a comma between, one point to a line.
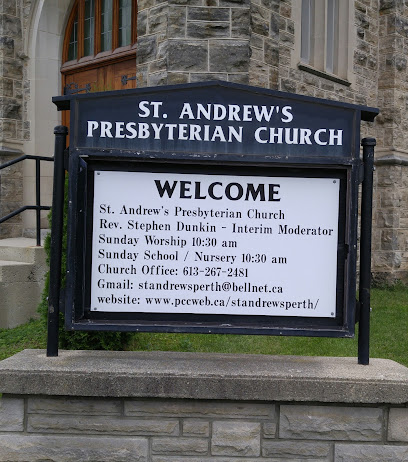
x=134, y=22
x=81, y=27
x=68, y=31
x=98, y=14
x=89, y=62
x=115, y=24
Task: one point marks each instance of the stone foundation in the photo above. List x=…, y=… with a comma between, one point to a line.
x=186, y=407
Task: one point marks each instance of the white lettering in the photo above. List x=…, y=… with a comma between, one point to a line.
x=334, y=136
x=317, y=137
x=119, y=130
x=92, y=125
x=186, y=111
x=286, y=111
x=145, y=110
x=106, y=130
x=257, y=135
x=305, y=136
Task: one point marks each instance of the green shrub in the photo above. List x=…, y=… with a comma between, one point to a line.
x=78, y=340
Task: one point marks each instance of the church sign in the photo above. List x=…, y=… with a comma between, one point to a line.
x=212, y=208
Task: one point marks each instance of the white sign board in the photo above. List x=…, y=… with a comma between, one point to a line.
x=214, y=244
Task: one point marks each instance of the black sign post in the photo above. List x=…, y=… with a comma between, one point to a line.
x=216, y=208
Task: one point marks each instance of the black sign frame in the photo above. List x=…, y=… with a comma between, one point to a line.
x=83, y=160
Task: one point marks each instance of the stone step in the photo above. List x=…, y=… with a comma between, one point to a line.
x=22, y=272
x=16, y=271
x=20, y=249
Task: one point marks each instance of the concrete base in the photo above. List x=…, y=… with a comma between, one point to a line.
x=204, y=376
x=187, y=407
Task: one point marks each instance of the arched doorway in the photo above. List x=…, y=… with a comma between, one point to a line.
x=99, y=50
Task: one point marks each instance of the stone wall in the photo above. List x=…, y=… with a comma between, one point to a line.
x=12, y=128
x=186, y=407
x=78, y=429
x=253, y=42
x=11, y=195
x=256, y=42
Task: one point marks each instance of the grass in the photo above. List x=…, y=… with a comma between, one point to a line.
x=389, y=339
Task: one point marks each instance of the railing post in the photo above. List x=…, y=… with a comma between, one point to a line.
x=38, y=201
x=365, y=251
x=60, y=133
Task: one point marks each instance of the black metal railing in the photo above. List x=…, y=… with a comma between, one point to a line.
x=37, y=207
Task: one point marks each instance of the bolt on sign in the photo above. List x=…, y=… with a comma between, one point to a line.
x=212, y=208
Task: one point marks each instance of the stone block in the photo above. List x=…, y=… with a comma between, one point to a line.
x=229, y=56
x=189, y=56
x=9, y=130
x=160, y=8
x=192, y=427
x=392, y=239
x=296, y=450
x=269, y=429
x=240, y=23
x=7, y=47
x=203, y=30
x=157, y=79
x=100, y=425
x=398, y=425
x=180, y=446
x=331, y=423
x=187, y=408
x=144, y=4
x=10, y=25
x=157, y=23
x=388, y=175
x=258, y=74
x=271, y=53
x=176, y=78
x=6, y=87
x=256, y=41
x=239, y=78
x=186, y=2
x=371, y=453
x=288, y=85
x=16, y=448
x=208, y=14
x=391, y=197
x=387, y=219
x=386, y=261
x=233, y=438
x=11, y=189
x=146, y=49
x=274, y=27
x=11, y=415
x=9, y=7
x=234, y=3
x=157, y=66
x=142, y=23
x=223, y=459
x=203, y=77
x=10, y=108
x=259, y=26
x=177, y=22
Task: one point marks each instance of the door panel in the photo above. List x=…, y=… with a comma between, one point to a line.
x=106, y=77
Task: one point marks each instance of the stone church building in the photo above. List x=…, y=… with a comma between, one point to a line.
x=354, y=51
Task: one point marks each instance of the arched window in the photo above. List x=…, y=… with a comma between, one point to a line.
x=99, y=52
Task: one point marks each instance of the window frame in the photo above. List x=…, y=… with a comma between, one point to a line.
x=333, y=60
x=98, y=56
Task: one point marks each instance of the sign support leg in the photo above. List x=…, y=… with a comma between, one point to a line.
x=365, y=251
x=60, y=133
